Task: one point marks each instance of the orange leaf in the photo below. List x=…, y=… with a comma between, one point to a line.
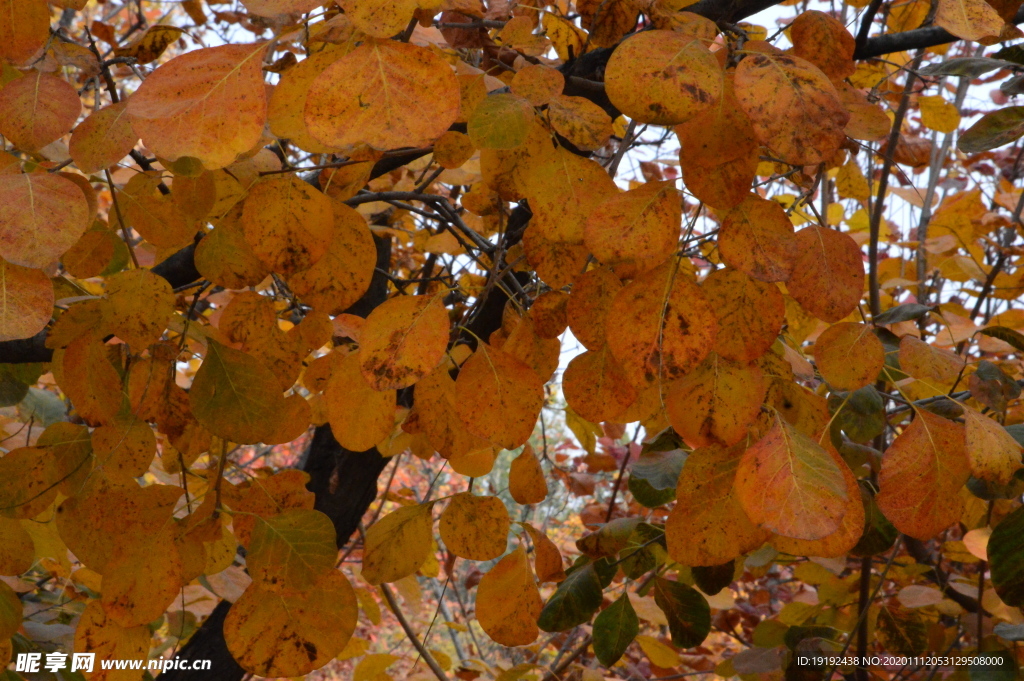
x=757, y=239
x=707, y=526
x=37, y=109
x=360, y=416
x=824, y=41
x=547, y=560
x=24, y=30
x=596, y=387
x=849, y=355
x=140, y=305
x=638, y=225
x=716, y=402
x=660, y=326
x=526, y=481
x=288, y=224
x=750, y=313
x=26, y=303
x=828, y=273
x=209, y=104
x=993, y=453
x=588, y=306
x=791, y=485
x=969, y=19
x=921, y=476
x=793, y=107
x=102, y=139
x=498, y=397
x=508, y=602
x=935, y=366
x=43, y=216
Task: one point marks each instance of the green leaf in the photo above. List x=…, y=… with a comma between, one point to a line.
x=499, y=122
x=902, y=313
x=1003, y=333
x=614, y=629
x=575, y=600
x=969, y=66
x=879, y=533
x=713, y=578
x=235, y=396
x=860, y=414
x=993, y=130
x=1013, y=53
x=293, y=548
x=1006, y=558
x=687, y=612
x=653, y=476
x=639, y=556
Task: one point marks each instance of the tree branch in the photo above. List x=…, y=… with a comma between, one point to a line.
x=420, y=648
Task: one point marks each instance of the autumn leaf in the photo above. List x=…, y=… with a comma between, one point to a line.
x=849, y=356
x=37, y=109
x=474, y=527
x=508, y=602
x=789, y=484
x=209, y=104
x=921, y=476
x=402, y=341
x=397, y=544
x=46, y=215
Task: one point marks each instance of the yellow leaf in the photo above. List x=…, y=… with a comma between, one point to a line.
x=270, y=8
x=16, y=548
x=538, y=83
x=291, y=632
x=508, y=602
x=969, y=19
x=403, y=340
x=91, y=380
x=384, y=93
x=716, y=402
x=397, y=544
x=44, y=215
x=148, y=46
x=793, y=107
x=708, y=526
x=938, y=114
x=371, y=666
x=97, y=633
x=921, y=476
x=791, y=485
x=849, y=355
x=721, y=134
x=500, y=121
x=209, y=104
x=660, y=654
x=580, y=121
x=141, y=303
x=286, y=110
x=379, y=18
x=641, y=225
x=234, y=396
x=434, y=411
x=288, y=224
x=526, y=481
x=662, y=77
x=475, y=527
x=993, y=453
x=360, y=416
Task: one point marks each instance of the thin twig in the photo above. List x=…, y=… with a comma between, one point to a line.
x=424, y=653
